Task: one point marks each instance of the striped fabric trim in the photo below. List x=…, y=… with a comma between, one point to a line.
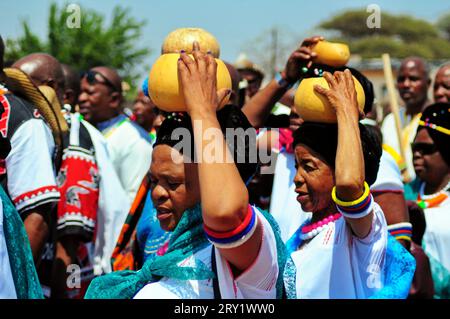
x=401, y=231
x=357, y=211
x=36, y=198
x=76, y=219
x=237, y=236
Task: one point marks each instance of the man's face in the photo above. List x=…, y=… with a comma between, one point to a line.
x=441, y=88
x=95, y=102
x=254, y=82
x=144, y=110
x=412, y=84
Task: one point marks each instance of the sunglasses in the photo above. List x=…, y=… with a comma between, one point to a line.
x=91, y=78
x=424, y=148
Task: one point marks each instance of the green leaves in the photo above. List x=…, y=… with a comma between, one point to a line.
x=94, y=43
x=400, y=35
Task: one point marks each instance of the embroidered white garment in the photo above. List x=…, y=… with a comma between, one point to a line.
x=257, y=282
x=338, y=265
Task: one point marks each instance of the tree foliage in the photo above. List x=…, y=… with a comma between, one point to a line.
x=399, y=35
x=94, y=43
x=444, y=25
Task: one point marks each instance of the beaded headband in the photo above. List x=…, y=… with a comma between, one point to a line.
x=435, y=127
x=438, y=128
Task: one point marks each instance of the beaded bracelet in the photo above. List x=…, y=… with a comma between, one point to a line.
x=354, y=202
x=357, y=208
x=401, y=231
x=235, y=237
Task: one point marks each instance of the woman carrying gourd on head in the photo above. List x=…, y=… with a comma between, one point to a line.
x=342, y=250
x=221, y=247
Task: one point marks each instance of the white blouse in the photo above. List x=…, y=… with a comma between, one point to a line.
x=338, y=265
x=257, y=282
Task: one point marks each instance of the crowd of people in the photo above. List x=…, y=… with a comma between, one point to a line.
x=98, y=201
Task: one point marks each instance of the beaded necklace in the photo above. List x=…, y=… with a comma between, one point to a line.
x=111, y=130
x=308, y=231
x=312, y=230
x=152, y=135
x=433, y=200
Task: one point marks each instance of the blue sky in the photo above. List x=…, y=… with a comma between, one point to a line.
x=233, y=22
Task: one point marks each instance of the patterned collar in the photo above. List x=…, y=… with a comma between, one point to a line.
x=102, y=126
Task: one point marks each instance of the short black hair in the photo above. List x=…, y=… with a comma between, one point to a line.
x=323, y=139
x=229, y=116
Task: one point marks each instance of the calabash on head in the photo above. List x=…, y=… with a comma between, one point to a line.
x=183, y=39
x=164, y=86
x=331, y=53
x=312, y=107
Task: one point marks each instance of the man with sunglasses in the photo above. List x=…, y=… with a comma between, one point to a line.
x=129, y=145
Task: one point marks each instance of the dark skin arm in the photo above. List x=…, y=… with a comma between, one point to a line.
x=225, y=210
x=66, y=249
x=37, y=226
x=349, y=178
x=258, y=108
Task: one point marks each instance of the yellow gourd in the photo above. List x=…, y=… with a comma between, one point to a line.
x=183, y=39
x=164, y=87
x=312, y=107
x=331, y=53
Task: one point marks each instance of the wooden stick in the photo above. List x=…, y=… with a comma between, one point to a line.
x=395, y=109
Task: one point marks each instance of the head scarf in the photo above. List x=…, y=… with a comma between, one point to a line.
x=229, y=117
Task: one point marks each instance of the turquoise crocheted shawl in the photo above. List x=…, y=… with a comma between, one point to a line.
x=23, y=270
x=187, y=239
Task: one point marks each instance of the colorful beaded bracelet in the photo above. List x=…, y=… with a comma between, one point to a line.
x=235, y=237
x=401, y=231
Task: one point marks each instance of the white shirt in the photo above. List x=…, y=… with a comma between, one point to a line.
x=7, y=287
x=113, y=203
x=130, y=151
x=29, y=166
x=390, y=136
x=257, y=282
x=437, y=234
x=389, y=177
x=338, y=265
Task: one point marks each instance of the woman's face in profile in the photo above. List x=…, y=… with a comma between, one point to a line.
x=174, y=185
x=314, y=180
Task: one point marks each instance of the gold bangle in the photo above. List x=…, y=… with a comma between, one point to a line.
x=354, y=202
x=403, y=237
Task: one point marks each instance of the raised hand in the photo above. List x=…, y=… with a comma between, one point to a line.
x=198, y=82
x=342, y=93
x=302, y=57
